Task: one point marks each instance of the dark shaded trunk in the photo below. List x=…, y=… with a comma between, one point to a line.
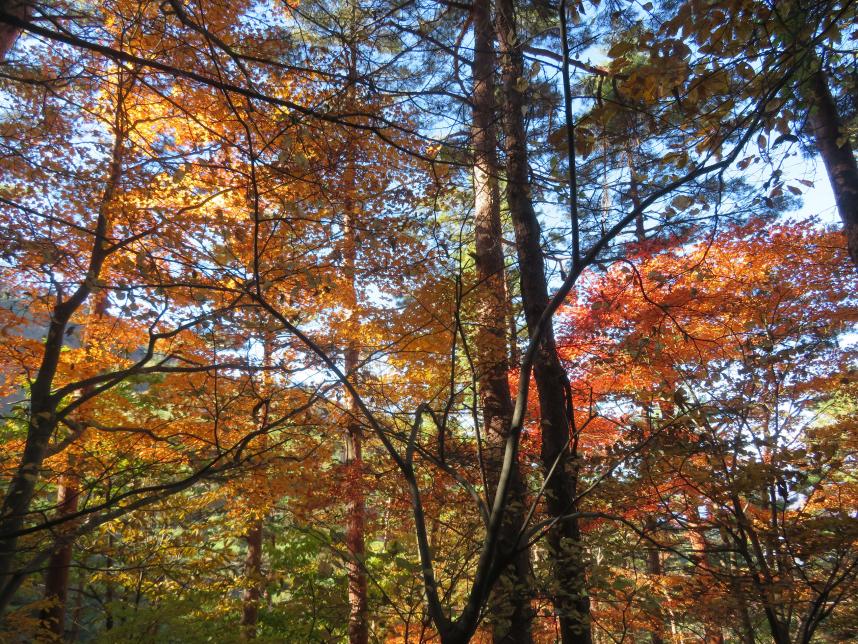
x=253, y=578
x=22, y=9
x=835, y=148
x=43, y=421
x=353, y=458
x=711, y=630
x=355, y=529
x=654, y=569
x=569, y=593
x=21, y=489
x=746, y=541
x=509, y=605
x=57, y=575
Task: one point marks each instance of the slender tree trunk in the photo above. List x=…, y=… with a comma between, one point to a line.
x=22, y=487
x=634, y=190
x=355, y=529
x=834, y=146
x=57, y=575
x=22, y=9
x=747, y=543
x=746, y=631
x=564, y=539
x=509, y=605
x=253, y=560
x=252, y=573
x=711, y=630
x=654, y=569
x=355, y=494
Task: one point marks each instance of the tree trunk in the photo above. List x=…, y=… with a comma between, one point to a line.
x=355, y=529
x=654, y=569
x=634, y=190
x=22, y=9
x=252, y=573
x=353, y=457
x=43, y=421
x=509, y=605
x=747, y=543
x=57, y=575
x=834, y=146
x=569, y=593
x=711, y=630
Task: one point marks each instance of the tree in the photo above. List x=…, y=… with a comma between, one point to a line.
x=798, y=41
x=557, y=422
x=720, y=368
x=511, y=607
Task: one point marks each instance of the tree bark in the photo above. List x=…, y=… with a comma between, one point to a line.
x=68, y=492
x=355, y=529
x=835, y=148
x=253, y=560
x=654, y=569
x=353, y=456
x=509, y=605
x=22, y=9
x=569, y=593
x=57, y=575
x=747, y=543
x=252, y=573
x=712, y=633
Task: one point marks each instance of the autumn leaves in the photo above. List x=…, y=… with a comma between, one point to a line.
x=315, y=262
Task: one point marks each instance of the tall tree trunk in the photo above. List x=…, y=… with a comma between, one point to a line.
x=57, y=575
x=834, y=146
x=746, y=629
x=711, y=630
x=253, y=559
x=22, y=9
x=654, y=569
x=252, y=573
x=569, y=592
x=353, y=458
x=356, y=505
x=509, y=605
x=747, y=543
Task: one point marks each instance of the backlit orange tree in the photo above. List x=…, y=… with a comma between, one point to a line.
x=720, y=372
